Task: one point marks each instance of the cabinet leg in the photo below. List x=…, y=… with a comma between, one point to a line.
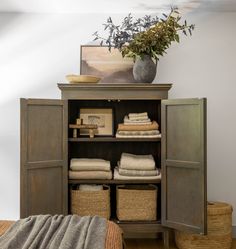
x=166, y=239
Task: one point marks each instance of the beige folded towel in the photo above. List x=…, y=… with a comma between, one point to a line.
x=90, y=187
x=142, y=133
x=133, y=172
x=138, y=162
x=87, y=164
x=90, y=175
x=117, y=176
x=138, y=136
x=153, y=126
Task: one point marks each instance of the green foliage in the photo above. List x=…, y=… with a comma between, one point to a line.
x=144, y=36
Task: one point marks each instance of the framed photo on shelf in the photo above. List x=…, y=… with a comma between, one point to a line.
x=110, y=66
x=102, y=117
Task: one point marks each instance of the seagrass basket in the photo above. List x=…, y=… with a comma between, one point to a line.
x=136, y=202
x=91, y=202
x=219, y=230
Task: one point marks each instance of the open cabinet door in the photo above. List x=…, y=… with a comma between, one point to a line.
x=184, y=201
x=44, y=180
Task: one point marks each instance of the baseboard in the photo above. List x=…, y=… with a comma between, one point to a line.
x=234, y=232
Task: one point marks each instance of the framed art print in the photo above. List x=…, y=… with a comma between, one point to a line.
x=102, y=117
x=111, y=67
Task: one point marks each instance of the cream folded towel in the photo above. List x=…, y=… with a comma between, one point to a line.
x=138, y=162
x=90, y=187
x=87, y=164
x=117, y=176
x=133, y=172
x=90, y=175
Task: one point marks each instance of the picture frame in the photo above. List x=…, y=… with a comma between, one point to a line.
x=110, y=66
x=103, y=117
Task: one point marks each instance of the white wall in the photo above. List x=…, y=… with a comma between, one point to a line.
x=37, y=51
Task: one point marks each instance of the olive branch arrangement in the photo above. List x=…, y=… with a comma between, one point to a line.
x=144, y=36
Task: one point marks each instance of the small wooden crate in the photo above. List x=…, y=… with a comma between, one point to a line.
x=219, y=230
x=136, y=202
x=91, y=202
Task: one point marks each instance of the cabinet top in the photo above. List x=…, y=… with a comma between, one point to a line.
x=114, y=91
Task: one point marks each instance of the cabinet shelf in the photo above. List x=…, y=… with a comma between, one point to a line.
x=113, y=139
x=113, y=181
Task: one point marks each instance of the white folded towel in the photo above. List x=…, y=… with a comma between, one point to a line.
x=87, y=164
x=137, y=121
x=138, y=162
x=138, y=116
x=90, y=187
x=117, y=176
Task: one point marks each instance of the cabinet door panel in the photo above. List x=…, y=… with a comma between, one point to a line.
x=43, y=157
x=45, y=190
x=184, y=164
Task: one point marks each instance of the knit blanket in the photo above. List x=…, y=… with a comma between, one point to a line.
x=58, y=231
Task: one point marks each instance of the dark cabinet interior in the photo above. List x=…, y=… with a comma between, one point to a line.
x=110, y=148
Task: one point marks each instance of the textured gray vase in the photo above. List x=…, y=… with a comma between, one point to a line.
x=144, y=70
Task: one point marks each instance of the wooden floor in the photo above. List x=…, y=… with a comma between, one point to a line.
x=151, y=244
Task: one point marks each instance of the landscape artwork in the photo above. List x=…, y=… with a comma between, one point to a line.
x=111, y=67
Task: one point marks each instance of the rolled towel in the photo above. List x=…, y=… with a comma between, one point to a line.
x=138, y=162
x=74, y=175
x=117, y=176
x=87, y=164
x=137, y=127
x=133, y=172
x=90, y=187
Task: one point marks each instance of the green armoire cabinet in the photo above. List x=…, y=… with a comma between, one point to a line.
x=47, y=147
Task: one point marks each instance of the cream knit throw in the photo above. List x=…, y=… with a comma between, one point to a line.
x=87, y=164
x=138, y=162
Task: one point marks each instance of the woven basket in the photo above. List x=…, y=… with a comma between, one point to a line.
x=136, y=202
x=219, y=230
x=91, y=202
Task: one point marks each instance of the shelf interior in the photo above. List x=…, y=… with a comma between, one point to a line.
x=110, y=148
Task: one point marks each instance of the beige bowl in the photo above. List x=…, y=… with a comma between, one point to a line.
x=75, y=79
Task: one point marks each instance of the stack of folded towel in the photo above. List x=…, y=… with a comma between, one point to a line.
x=89, y=168
x=136, y=167
x=138, y=125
